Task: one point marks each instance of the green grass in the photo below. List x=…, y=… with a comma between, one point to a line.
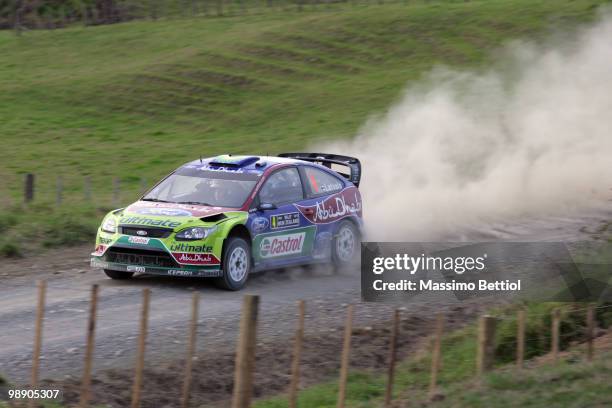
x=366, y=389
x=568, y=384
x=139, y=99
x=572, y=383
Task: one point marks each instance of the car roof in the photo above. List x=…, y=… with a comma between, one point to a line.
x=242, y=163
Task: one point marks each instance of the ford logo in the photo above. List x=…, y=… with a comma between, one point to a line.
x=142, y=233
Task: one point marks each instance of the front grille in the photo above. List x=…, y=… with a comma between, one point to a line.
x=143, y=257
x=151, y=232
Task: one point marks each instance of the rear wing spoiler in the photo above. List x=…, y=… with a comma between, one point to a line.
x=325, y=159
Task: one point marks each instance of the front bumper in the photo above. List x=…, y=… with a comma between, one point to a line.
x=203, y=272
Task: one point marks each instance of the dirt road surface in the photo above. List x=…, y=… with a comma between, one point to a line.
x=327, y=293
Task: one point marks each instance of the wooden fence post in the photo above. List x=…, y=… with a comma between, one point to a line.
x=436, y=356
x=520, y=338
x=590, y=331
x=40, y=314
x=28, y=190
x=193, y=329
x=144, y=319
x=89, y=349
x=392, y=358
x=346, y=354
x=486, y=344
x=297, y=354
x=245, y=353
x=556, y=323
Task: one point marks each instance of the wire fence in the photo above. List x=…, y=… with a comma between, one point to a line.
x=70, y=190
x=247, y=346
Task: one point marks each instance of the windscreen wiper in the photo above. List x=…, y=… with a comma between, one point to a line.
x=155, y=200
x=194, y=203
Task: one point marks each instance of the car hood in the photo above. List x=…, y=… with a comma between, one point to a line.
x=169, y=215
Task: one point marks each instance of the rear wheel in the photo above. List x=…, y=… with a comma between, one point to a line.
x=118, y=274
x=345, y=245
x=236, y=264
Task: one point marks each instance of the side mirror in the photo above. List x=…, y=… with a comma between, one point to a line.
x=266, y=207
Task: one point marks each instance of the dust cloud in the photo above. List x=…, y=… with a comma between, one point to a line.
x=530, y=137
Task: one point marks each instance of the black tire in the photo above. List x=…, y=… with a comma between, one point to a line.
x=344, y=257
x=236, y=264
x=118, y=274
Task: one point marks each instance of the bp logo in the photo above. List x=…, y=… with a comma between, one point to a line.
x=281, y=245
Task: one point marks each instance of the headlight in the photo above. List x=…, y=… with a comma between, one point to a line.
x=109, y=225
x=195, y=233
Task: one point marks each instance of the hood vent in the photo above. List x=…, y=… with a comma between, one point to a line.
x=214, y=218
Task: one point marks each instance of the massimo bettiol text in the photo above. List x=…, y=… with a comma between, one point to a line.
x=459, y=265
x=533, y=271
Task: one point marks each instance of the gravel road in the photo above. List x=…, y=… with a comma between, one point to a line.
x=327, y=293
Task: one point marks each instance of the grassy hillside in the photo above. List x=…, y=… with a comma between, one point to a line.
x=138, y=99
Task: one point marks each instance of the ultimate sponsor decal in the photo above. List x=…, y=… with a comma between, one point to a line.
x=333, y=208
x=285, y=220
x=183, y=247
x=281, y=245
x=259, y=224
x=195, y=259
x=134, y=268
x=149, y=221
x=139, y=240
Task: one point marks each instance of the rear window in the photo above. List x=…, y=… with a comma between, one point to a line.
x=321, y=182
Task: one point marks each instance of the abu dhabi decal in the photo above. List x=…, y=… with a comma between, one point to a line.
x=195, y=259
x=259, y=224
x=285, y=220
x=345, y=203
x=282, y=245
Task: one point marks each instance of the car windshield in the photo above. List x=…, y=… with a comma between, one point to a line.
x=198, y=187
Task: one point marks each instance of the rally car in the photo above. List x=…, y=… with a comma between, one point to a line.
x=228, y=216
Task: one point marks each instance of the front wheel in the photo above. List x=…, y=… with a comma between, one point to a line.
x=118, y=274
x=345, y=245
x=236, y=264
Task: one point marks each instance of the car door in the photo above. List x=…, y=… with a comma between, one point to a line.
x=324, y=206
x=282, y=235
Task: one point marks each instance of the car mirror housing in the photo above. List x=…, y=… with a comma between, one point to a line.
x=266, y=207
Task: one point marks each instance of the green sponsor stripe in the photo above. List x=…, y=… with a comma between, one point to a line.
x=285, y=243
x=140, y=242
